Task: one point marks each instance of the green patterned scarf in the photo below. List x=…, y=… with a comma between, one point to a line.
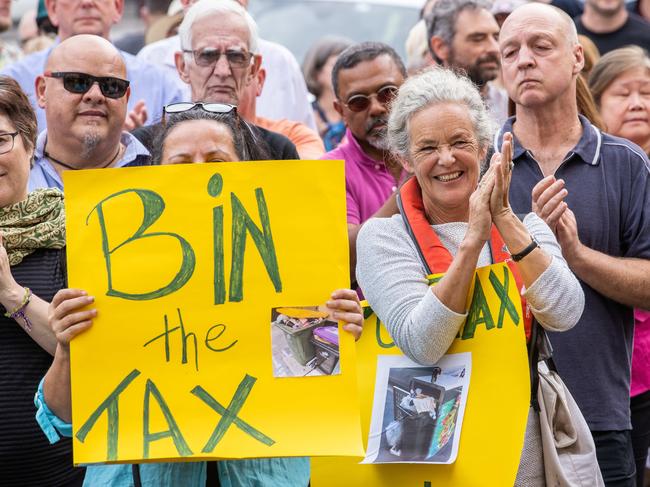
x=37, y=222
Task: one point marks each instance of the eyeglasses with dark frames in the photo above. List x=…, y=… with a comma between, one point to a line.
x=7, y=141
x=209, y=56
x=80, y=83
x=359, y=103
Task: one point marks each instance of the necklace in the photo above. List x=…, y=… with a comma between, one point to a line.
x=68, y=166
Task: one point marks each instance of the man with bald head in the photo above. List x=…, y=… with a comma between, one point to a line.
x=151, y=87
x=84, y=93
x=593, y=190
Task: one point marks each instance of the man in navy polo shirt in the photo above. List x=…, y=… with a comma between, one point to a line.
x=593, y=190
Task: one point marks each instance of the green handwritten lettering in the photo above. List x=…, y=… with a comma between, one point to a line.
x=380, y=341
x=502, y=293
x=215, y=185
x=110, y=405
x=229, y=415
x=174, y=432
x=153, y=207
x=241, y=224
x=209, y=338
x=479, y=312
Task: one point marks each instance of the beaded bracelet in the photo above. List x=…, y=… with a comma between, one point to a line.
x=19, y=311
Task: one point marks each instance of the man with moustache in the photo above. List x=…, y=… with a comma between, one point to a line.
x=365, y=79
x=593, y=190
x=463, y=37
x=84, y=94
x=151, y=87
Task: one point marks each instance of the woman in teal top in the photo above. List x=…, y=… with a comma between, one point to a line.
x=202, y=133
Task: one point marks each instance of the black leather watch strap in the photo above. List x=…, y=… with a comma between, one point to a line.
x=532, y=246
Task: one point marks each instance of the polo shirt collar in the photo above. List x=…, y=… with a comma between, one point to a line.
x=587, y=148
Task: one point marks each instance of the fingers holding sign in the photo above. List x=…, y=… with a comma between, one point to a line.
x=67, y=317
x=344, y=306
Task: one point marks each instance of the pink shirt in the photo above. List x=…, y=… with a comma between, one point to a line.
x=641, y=353
x=368, y=183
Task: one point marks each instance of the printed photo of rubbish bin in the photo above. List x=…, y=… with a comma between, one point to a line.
x=298, y=325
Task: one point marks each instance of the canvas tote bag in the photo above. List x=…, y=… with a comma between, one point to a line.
x=569, y=450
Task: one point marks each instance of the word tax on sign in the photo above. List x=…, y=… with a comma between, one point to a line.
x=186, y=263
x=497, y=406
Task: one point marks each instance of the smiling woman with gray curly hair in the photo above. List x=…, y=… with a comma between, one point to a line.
x=440, y=128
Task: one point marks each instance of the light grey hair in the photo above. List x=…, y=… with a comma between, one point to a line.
x=204, y=8
x=442, y=21
x=436, y=85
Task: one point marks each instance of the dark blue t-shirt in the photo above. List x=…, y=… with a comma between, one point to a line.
x=608, y=184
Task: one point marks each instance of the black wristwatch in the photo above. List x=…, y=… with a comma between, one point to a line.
x=532, y=246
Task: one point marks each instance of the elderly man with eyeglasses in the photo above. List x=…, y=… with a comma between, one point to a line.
x=365, y=79
x=219, y=59
x=84, y=93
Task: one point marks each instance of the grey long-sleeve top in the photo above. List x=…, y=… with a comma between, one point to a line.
x=394, y=282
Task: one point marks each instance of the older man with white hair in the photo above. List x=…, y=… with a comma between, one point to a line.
x=285, y=92
x=593, y=190
x=219, y=59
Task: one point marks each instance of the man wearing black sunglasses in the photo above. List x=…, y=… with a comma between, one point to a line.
x=365, y=79
x=84, y=93
x=151, y=87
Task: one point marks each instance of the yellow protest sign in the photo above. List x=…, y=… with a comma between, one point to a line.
x=497, y=406
x=195, y=352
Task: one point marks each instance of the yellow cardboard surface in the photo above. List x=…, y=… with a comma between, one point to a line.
x=191, y=370
x=497, y=406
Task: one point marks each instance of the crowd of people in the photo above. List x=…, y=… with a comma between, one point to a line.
x=515, y=131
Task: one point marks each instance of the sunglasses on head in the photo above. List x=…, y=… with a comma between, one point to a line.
x=80, y=83
x=208, y=107
x=359, y=103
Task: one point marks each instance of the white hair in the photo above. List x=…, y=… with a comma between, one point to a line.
x=204, y=8
x=436, y=85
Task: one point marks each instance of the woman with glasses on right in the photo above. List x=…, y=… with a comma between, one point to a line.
x=451, y=223
x=620, y=84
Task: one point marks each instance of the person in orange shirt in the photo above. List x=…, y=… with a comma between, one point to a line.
x=307, y=141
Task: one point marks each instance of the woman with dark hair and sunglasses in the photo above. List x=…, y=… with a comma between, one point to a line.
x=32, y=237
x=193, y=133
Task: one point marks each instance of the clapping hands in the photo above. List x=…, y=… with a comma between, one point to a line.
x=489, y=202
